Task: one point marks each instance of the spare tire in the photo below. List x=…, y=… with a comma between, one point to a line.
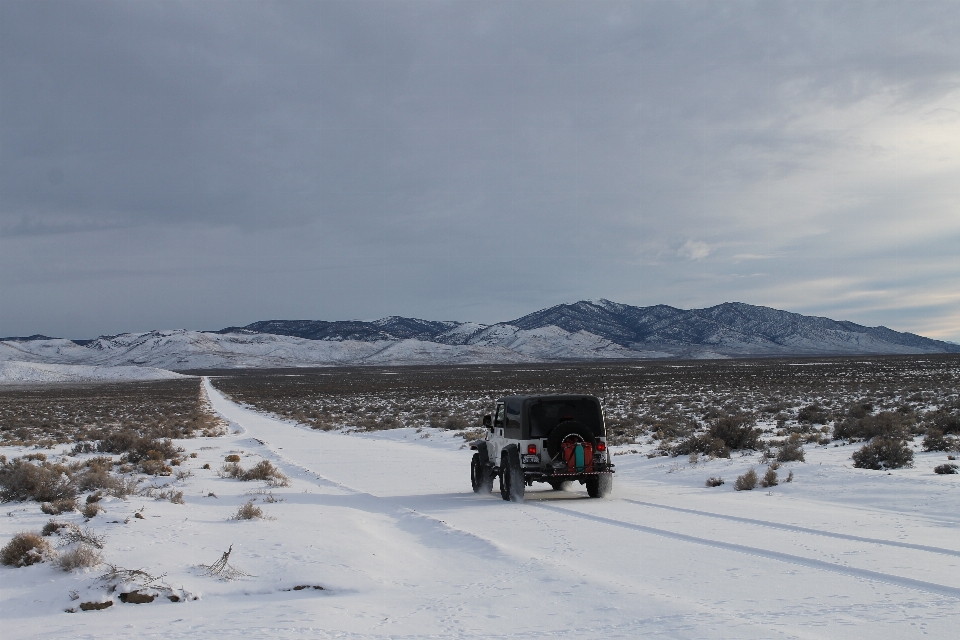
x=563, y=431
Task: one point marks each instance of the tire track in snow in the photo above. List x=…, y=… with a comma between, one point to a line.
x=909, y=583
x=798, y=529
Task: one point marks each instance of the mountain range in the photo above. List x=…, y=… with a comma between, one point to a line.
x=585, y=330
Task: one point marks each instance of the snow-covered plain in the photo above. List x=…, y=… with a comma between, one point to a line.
x=14, y=372
x=386, y=523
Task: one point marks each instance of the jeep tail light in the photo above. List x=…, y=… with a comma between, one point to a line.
x=601, y=446
x=532, y=449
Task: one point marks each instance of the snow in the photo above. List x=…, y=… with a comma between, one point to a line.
x=387, y=524
x=14, y=372
x=180, y=350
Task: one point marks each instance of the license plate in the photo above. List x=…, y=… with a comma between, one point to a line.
x=535, y=459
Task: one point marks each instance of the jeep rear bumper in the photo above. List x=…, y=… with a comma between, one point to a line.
x=546, y=475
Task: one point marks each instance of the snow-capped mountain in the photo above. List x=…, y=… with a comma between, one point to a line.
x=732, y=328
x=586, y=330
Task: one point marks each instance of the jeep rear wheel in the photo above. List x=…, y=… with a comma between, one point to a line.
x=480, y=477
x=512, y=486
x=600, y=486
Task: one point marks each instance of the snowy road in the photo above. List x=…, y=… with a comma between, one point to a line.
x=386, y=523
x=423, y=556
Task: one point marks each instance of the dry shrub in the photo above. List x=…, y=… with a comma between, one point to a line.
x=714, y=482
x=884, y=453
x=59, y=507
x=116, y=576
x=232, y=458
x=935, y=440
x=137, y=447
x=156, y=468
x=223, y=569
x=82, y=556
x=946, y=469
x=264, y=470
x=705, y=443
x=791, y=450
x=248, y=511
x=770, y=478
x=53, y=526
x=478, y=434
x=947, y=420
x=456, y=422
x=230, y=470
x=736, y=431
x=746, y=482
x=44, y=482
x=72, y=533
x=887, y=424
x=176, y=497
x=157, y=493
x=122, y=487
x=95, y=474
x=24, y=549
x=90, y=510
x=813, y=414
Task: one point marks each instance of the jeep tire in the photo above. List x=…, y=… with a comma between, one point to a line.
x=481, y=478
x=600, y=485
x=512, y=485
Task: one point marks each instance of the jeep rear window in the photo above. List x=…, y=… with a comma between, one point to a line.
x=547, y=414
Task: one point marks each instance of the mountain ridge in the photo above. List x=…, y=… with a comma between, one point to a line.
x=628, y=326
x=580, y=331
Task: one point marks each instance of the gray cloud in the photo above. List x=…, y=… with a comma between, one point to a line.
x=203, y=164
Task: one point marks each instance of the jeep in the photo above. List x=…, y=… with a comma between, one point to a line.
x=543, y=438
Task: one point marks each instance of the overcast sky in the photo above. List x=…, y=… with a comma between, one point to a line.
x=209, y=163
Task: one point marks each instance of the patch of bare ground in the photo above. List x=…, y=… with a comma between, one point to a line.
x=129, y=428
x=57, y=414
x=777, y=406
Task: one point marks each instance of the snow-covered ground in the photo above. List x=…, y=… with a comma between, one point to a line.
x=386, y=523
x=14, y=372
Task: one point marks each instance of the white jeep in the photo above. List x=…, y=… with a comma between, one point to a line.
x=543, y=438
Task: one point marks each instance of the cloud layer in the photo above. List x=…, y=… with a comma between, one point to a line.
x=209, y=164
